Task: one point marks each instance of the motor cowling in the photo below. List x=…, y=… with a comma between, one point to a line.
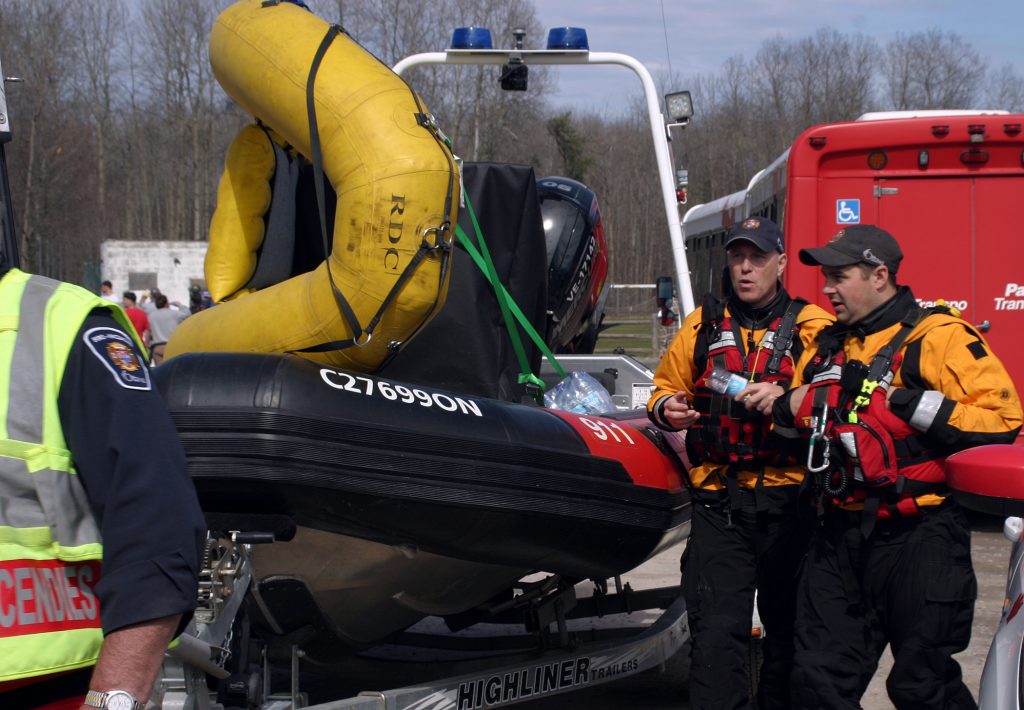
x=577, y=263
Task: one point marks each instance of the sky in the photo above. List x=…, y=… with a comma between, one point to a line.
x=702, y=34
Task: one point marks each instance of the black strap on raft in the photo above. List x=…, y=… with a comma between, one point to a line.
x=441, y=235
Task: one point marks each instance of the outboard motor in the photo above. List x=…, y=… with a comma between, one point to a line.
x=577, y=264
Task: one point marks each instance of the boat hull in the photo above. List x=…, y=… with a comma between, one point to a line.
x=459, y=495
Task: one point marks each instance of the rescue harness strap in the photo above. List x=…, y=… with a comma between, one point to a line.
x=847, y=409
x=713, y=312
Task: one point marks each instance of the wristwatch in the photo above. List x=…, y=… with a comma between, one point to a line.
x=113, y=700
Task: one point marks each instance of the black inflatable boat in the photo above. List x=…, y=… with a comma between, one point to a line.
x=402, y=501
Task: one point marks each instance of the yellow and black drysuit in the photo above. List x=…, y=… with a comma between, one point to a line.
x=890, y=563
x=746, y=532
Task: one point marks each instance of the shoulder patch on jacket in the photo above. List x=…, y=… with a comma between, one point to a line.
x=116, y=351
x=977, y=349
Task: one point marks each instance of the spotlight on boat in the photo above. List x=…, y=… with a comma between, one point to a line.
x=568, y=38
x=472, y=38
x=679, y=107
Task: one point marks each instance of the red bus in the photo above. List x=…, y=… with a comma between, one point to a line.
x=946, y=184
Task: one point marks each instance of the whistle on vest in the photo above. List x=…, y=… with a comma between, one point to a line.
x=818, y=447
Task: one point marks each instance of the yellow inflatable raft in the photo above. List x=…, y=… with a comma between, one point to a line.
x=396, y=183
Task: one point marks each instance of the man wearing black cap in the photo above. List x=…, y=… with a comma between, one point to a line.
x=747, y=532
x=891, y=390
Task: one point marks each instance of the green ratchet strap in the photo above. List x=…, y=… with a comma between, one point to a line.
x=482, y=258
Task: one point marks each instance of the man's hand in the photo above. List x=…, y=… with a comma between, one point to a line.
x=760, y=396
x=678, y=412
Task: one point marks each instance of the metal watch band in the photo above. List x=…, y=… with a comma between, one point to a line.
x=98, y=699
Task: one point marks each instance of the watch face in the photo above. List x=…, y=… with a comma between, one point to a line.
x=119, y=700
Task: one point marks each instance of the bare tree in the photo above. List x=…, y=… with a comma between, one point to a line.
x=833, y=73
x=1006, y=90
x=120, y=129
x=100, y=26
x=932, y=70
x=40, y=120
x=182, y=89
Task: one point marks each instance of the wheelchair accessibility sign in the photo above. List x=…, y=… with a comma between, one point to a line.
x=847, y=211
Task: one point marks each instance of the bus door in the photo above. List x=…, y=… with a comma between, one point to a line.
x=933, y=221
x=957, y=236
x=1000, y=280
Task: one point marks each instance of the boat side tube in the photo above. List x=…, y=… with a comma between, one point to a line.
x=465, y=477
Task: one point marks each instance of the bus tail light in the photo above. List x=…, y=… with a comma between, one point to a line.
x=1011, y=129
x=877, y=159
x=940, y=131
x=974, y=157
x=817, y=141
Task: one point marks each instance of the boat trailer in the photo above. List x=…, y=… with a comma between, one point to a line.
x=548, y=659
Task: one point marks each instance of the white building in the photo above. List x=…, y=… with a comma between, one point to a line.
x=140, y=266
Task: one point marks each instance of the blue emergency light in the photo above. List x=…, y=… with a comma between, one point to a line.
x=471, y=38
x=568, y=38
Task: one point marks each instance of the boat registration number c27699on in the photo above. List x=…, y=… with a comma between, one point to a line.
x=394, y=392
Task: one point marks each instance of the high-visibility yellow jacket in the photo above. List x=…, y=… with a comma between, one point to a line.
x=50, y=547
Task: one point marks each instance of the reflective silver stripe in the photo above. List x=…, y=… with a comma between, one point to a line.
x=927, y=409
x=44, y=497
x=832, y=373
x=18, y=505
x=66, y=508
x=726, y=339
x=25, y=411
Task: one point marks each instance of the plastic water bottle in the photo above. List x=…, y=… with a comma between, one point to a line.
x=724, y=382
x=579, y=393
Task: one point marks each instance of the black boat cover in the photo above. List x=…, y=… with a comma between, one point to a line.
x=466, y=347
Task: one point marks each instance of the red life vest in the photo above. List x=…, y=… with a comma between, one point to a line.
x=726, y=431
x=872, y=456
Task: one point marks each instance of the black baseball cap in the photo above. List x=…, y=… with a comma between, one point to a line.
x=759, y=231
x=858, y=244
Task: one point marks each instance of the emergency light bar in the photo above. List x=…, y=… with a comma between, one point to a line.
x=569, y=46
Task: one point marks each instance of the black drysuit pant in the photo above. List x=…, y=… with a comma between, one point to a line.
x=731, y=553
x=909, y=584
